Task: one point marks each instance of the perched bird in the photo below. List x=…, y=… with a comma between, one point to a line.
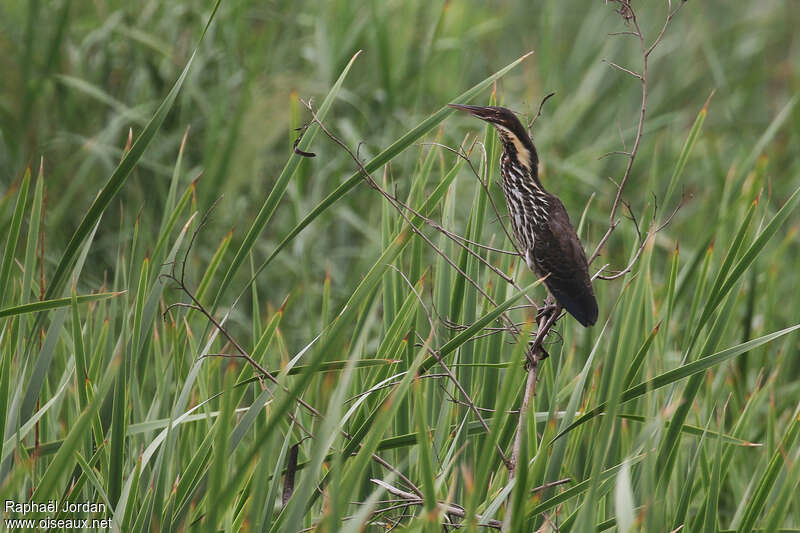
x=540, y=222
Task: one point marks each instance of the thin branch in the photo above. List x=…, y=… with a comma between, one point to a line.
x=180, y=304
x=551, y=484
x=642, y=243
x=196, y=305
x=392, y=384
x=539, y=112
x=535, y=352
x=401, y=208
x=482, y=409
x=615, y=33
x=625, y=270
x=660, y=35
x=448, y=508
x=534, y=356
x=470, y=403
x=615, y=152
x=623, y=69
x=626, y=10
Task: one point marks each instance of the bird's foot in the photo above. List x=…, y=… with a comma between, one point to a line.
x=548, y=307
x=532, y=357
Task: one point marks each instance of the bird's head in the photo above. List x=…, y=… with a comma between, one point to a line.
x=512, y=133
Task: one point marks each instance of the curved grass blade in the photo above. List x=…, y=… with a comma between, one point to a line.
x=47, y=351
x=691, y=139
x=783, y=502
x=120, y=174
x=713, y=489
x=752, y=252
x=30, y=423
x=579, y=488
x=13, y=236
x=92, y=476
x=47, y=305
x=698, y=431
x=332, y=366
x=638, y=359
x=34, y=221
x=149, y=309
x=777, y=462
x=325, y=436
x=476, y=326
x=269, y=504
x=378, y=161
x=727, y=263
x=277, y=192
x=686, y=493
x=220, y=460
x=5, y=379
x=48, y=485
x=679, y=373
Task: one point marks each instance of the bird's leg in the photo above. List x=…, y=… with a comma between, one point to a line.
x=531, y=357
x=536, y=352
x=549, y=306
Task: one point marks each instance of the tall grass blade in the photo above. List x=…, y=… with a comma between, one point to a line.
x=385, y=156
x=120, y=174
x=13, y=237
x=767, y=481
x=684, y=371
x=279, y=189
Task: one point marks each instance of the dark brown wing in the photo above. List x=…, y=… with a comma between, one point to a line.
x=557, y=251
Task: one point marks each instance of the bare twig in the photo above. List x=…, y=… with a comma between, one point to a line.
x=485, y=186
x=539, y=112
x=470, y=403
x=623, y=69
x=551, y=484
x=401, y=208
x=535, y=352
x=642, y=243
x=447, y=508
x=243, y=354
x=615, y=152
x=392, y=384
x=626, y=10
x=615, y=33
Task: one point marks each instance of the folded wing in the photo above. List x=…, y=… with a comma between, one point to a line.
x=561, y=255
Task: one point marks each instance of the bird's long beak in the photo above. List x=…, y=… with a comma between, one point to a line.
x=483, y=113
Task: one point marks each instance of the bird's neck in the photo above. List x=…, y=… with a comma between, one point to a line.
x=521, y=168
x=528, y=203
x=519, y=150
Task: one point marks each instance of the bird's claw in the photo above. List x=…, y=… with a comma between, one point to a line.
x=532, y=358
x=548, y=308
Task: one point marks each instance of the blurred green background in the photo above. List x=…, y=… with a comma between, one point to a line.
x=77, y=76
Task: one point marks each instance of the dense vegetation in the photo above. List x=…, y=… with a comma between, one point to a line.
x=146, y=160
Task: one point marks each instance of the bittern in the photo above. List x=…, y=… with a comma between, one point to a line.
x=540, y=222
